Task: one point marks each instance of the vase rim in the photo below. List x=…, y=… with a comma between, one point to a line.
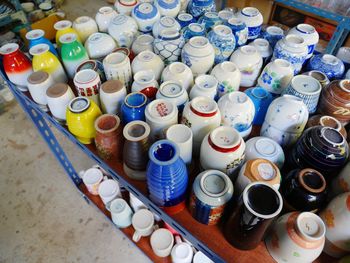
x=79, y=104
x=295, y=41
x=330, y=59
x=115, y=59
x=35, y=34
x=167, y=91
x=319, y=75
x=238, y=97
x=266, y=146
x=39, y=49
x=229, y=66
x=337, y=124
x=158, y=144
x=248, y=50
x=203, y=106
x=345, y=85
x=305, y=29
x=230, y=139
x=9, y=48
x=250, y=11
x=144, y=76
x=134, y=94
x=146, y=130
x=305, y=84
x=63, y=24
x=310, y=226
x=206, y=82
x=68, y=38
x=85, y=76
x=112, y=117
x=221, y=185
x=324, y=132
x=260, y=92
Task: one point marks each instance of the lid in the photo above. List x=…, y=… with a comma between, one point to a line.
x=195, y=27
x=161, y=108
x=171, y=89
x=9, y=48
x=225, y=139
x=62, y=24
x=107, y=123
x=38, y=77
x=57, y=90
x=265, y=147
x=310, y=226
x=203, y=106
x=79, y=104
x=68, y=38
x=85, y=76
x=39, y=49
x=112, y=86
x=262, y=170
x=214, y=183
x=136, y=131
x=118, y=205
x=222, y=30
x=35, y=34
x=312, y=180
x=306, y=85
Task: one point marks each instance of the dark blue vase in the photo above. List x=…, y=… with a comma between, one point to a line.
x=262, y=100
x=36, y=37
x=330, y=65
x=167, y=177
x=133, y=108
x=198, y=8
x=185, y=19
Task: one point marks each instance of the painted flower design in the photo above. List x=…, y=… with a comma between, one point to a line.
x=266, y=78
x=186, y=59
x=329, y=218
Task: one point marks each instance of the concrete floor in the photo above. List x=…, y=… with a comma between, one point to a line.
x=42, y=216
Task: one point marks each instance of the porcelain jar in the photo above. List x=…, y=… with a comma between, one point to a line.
x=37, y=36
x=184, y=19
x=320, y=76
x=341, y=183
x=38, y=83
x=142, y=42
x=173, y=91
x=292, y=48
x=165, y=22
x=273, y=34
x=263, y=47
x=117, y=66
x=125, y=7
x=134, y=107
x=309, y=34
x=285, y=120
x=330, y=65
x=223, y=41
x=95, y=65
x=168, y=45
x=222, y=149
x=296, y=238
x=211, y=191
x=112, y=94
x=252, y=17
x=104, y=16
x=44, y=60
x=193, y=30
x=87, y=83
x=229, y=77
x=276, y=76
x=81, y=116
x=239, y=30
x=237, y=111
x=147, y=60
x=198, y=54
x=73, y=53
x=145, y=15
x=145, y=82
x=265, y=148
x=123, y=29
x=336, y=217
x=17, y=65
x=198, y=8
x=85, y=26
x=202, y=115
x=249, y=62
x=168, y=7
x=209, y=20
x=64, y=27
x=180, y=72
x=262, y=100
x=99, y=45
x=204, y=86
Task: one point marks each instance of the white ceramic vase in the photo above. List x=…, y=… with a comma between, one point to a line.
x=117, y=66
x=148, y=60
x=142, y=43
x=123, y=29
x=146, y=15
x=168, y=45
x=252, y=17
x=104, y=16
x=99, y=45
x=85, y=26
x=172, y=90
x=178, y=71
x=112, y=94
x=205, y=86
x=144, y=79
x=165, y=22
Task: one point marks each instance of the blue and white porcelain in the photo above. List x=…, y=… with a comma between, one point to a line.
x=178, y=71
x=193, y=30
x=272, y=34
x=204, y=86
x=168, y=7
x=169, y=45
x=262, y=100
x=146, y=15
x=229, y=77
x=197, y=8
x=292, y=48
x=37, y=36
x=223, y=41
x=184, y=19
x=252, y=17
x=239, y=29
x=264, y=48
x=225, y=15
x=165, y=22
x=209, y=20
x=330, y=65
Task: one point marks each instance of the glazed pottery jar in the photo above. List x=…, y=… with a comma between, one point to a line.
x=147, y=60
x=292, y=48
x=73, y=53
x=229, y=77
x=112, y=94
x=58, y=97
x=64, y=27
x=257, y=170
x=253, y=19
x=85, y=26
x=330, y=65
x=262, y=100
x=334, y=100
x=202, y=115
x=309, y=34
x=315, y=147
x=265, y=148
x=211, y=191
x=248, y=223
x=296, y=237
x=209, y=20
x=237, y=111
x=167, y=176
x=117, y=66
x=145, y=15
x=169, y=8
x=304, y=190
x=44, y=60
x=326, y=121
x=38, y=83
x=184, y=19
x=37, y=36
x=306, y=88
x=142, y=43
x=205, y=86
x=222, y=149
x=169, y=45
x=95, y=65
x=249, y=62
x=165, y=22
x=16, y=65
x=263, y=47
x=104, y=16
x=125, y=7
x=172, y=90
x=99, y=45
x=180, y=72
x=108, y=139
x=145, y=82
x=198, y=54
x=160, y=114
x=135, y=153
x=123, y=29
x=273, y=34
x=336, y=218
x=341, y=183
x=87, y=82
x=81, y=116
x=225, y=15
x=276, y=76
x=134, y=107
x=223, y=41
x=320, y=76
x=239, y=30
x=198, y=8
x=193, y=30
x=285, y=120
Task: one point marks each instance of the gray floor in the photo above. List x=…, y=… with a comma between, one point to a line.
x=42, y=216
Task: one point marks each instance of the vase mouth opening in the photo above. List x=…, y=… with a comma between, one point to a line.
x=105, y=10
x=250, y=11
x=332, y=136
x=199, y=42
x=282, y=63
x=167, y=21
x=116, y=58
x=68, y=38
x=195, y=27
x=306, y=28
x=295, y=40
x=305, y=84
x=259, y=92
x=9, y=48
x=238, y=97
x=135, y=100
x=35, y=34
x=107, y=123
x=206, y=82
x=85, y=76
x=211, y=15
x=229, y=66
x=82, y=19
x=136, y=131
x=171, y=89
x=146, y=55
x=320, y=76
x=163, y=152
x=310, y=226
x=62, y=24
x=329, y=121
x=248, y=50
x=214, y=183
x=345, y=85
x=204, y=106
x=185, y=17
x=312, y=180
x=179, y=133
x=235, y=21
x=39, y=49
x=79, y=104
x=262, y=200
x=330, y=59
x=225, y=139
x=265, y=147
x=222, y=30
x=274, y=30
x=177, y=68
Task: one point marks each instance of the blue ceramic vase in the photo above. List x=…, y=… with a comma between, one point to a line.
x=36, y=37
x=197, y=8
x=239, y=29
x=272, y=34
x=193, y=30
x=185, y=19
x=330, y=65
x=133, y=107
x=209, y=20
x=223, y=41
x=262, y=100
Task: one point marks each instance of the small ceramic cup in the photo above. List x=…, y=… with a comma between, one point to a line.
x=162, y=242
x=143, y=223
x=88, y=82
x=108, y=190
x=92, y=178
x=182, y=136
x=38, y=83
x=121, y=212
x=182, y=252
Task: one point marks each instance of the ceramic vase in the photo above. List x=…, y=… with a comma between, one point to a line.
x=198, y=54
x=165, y=22
x=169, y=45
x=273, y=34
x=37, y=36
x=264, y=48
x=145, y=15
x=147, y=60
x=198, y=8
x=95, y=65
x=237, y=111
x=226, y=15
x=261, y=100
x=16, y=65
x=142, y=42
x=204, y=86
x=104, y=16
x=249, y=62
x=99, y=45
x=173, y=91
x=38, y=83
x=253, y=19
x=87, y=83
x=193, y=30
x=223, y=41
x=112, y=94
x=320, y=76
x=330, y=65
x=209, y=20
x=145, y=82
x=85, y=26
x=184, y=19
x=239, y=29
x=180, y=72
x=326, y=121
x=117, y=66
x=125, y=7
x=64, y=27
x=134, y=107
x=123, y=29
x=169, y=8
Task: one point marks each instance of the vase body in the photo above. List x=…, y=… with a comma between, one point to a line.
x=261, y=100
x=197, y=8
x=123, y=29
x=99, y=45
x=180, y=72
x=145, y=15
x=223, y=41
x=134, y=107
x=169, y=45
x=85, y=26
x=36, y=37
x=253, y=19
x=112, y=94
x=147, y=60
x=64, y=27
x=239, y=29
x=330, y=65
x=117, y=66
x=169, y=8
x=104, y=16
x=38, y=83
x=87, y=82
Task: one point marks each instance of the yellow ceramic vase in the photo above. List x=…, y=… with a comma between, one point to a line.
x=81, y=116
x=64, y=27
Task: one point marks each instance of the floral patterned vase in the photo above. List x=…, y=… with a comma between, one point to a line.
x=223, y=41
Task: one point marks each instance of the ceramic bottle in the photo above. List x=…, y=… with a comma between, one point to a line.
x=145, y=82
x=64, y=27
x=252, y=17
x=168, y=45
x=168, y=7
x=178, y=71
x=147, y=60
x=123, y=29
x=85, y=26
x=145, y=15
x=37, y=36
x=264, y=48
x=38, y=83
x=99, y=45
x=125, y=7
x=330, y=65
x=134, y=107
x=104, y=16
x=87, y=83
x=142, y=42
x=165, y=22
x=239, y=29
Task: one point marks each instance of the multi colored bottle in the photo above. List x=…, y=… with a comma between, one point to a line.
x=37, y=36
